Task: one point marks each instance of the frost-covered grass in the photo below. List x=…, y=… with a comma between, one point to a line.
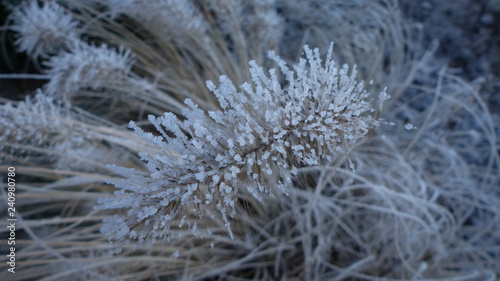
x=286, y=167
x=257, y=141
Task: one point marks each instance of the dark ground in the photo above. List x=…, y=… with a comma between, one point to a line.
x=468, y=32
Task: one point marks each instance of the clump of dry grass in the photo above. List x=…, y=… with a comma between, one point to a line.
x=414, y=201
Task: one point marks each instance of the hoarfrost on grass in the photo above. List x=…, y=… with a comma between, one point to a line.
x=165, y=17
x=44, y=30
x=87, y=66
x=35, y=122
x=256, y=141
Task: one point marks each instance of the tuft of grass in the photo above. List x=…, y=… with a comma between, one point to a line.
x=417, y=200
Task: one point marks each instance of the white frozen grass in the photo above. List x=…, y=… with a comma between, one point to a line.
x=40, y=131
x=397, y=204
x=86, y=66
x=257, y=141
x=43, y=30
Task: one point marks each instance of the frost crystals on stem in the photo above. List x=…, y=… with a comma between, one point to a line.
x=258, y=139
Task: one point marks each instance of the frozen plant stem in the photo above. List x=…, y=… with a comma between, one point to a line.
x=255, y=142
